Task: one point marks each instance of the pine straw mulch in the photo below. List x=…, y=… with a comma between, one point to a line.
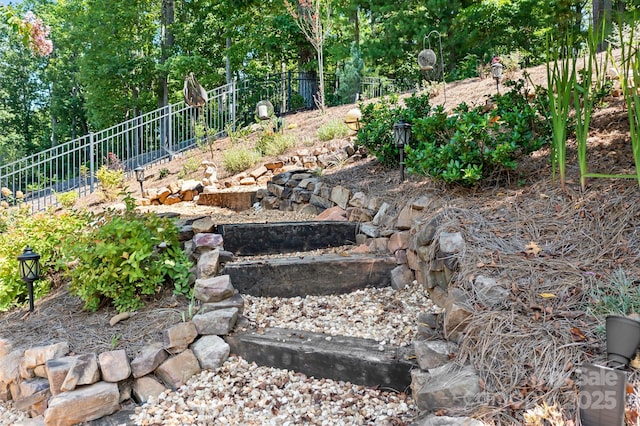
x=549, y=248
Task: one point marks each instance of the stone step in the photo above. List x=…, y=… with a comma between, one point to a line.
x=310, y=275
x=230, y=199
x=359, y=361
x=250, y=239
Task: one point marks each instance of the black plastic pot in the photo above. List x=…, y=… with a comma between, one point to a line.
x=623, y=338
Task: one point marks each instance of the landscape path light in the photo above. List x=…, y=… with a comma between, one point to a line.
x=352, y=119
x=496, y=71
x=140, y=178
x=401, y=137
x=29, y=271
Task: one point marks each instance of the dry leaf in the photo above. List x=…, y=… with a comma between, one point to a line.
x=547, y=295
x=532, y=248
x=577, y=334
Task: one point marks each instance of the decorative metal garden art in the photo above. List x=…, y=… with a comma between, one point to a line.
x=427, y=58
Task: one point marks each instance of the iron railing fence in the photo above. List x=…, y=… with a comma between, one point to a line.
x=157, y=136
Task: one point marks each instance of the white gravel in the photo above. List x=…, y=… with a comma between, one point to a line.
x=241, y=393
x=383, y=314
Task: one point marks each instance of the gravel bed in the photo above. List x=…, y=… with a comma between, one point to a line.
x=241, y=393
x=386, y=315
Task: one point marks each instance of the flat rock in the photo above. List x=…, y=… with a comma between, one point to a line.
x=83, y=404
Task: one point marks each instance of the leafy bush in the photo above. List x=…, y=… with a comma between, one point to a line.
x=111, y=181
x=67, y=199
x=274, y=143
x=470, y=144
x=46, y=233
x=377, y=132
x=239, y=158
x=333, y=129
x=125, y=258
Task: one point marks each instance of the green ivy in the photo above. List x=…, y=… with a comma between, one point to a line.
x=125, y=258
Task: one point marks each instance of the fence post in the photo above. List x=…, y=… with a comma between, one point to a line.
x=169, y=130
x=233, y=104
x=92, y=165
x=289, y=90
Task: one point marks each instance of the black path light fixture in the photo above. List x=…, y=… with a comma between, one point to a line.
x=401, y=137
x=496, y=71
x=139, y=171
x=29, y=271
x=427, y=58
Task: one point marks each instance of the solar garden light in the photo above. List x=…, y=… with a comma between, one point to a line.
x=29, y=271
x=140, y=177
x=352, y=119
x=401, y=137
x=496, y=71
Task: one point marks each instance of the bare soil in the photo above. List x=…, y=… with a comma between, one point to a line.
x=582, y=235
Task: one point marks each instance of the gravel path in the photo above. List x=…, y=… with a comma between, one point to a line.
x=242, y=393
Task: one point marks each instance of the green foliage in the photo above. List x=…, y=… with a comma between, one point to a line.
x=349, y=77
x=561, y=76
x=379, y=117
x=163, y=173
x=126, y=258
x=239, y=158
x=274, y=143
x=67, y=199
x=619, y=295
x=332, y=130
x=188, y=167
x=375, y=135
x=46, y=233
x=111, y=181
x=470, y=145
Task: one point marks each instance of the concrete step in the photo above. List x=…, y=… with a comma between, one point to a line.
x=310, y=275
x=250, y=239
x=359, y=361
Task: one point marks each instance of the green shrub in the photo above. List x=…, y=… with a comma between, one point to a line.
x=126, y=258
x=377, y=132
x=333, y=129
x=275, y=143
x=471, y=145
x=239, y=158
x=67, y=199
x=46, y=233
x=111, y=181
x=163, y=173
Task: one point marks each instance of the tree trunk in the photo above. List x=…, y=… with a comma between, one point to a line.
x=168, y=18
